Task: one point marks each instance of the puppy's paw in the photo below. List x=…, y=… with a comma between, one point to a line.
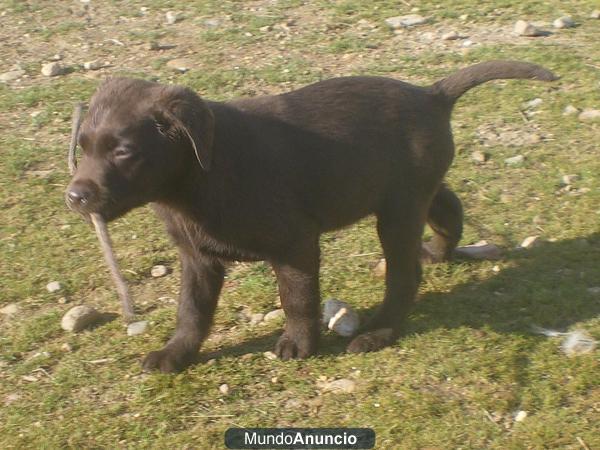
x=168, y=360
x=372, y=341
x=294, y=348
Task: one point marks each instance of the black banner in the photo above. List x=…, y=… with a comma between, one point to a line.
x=292, y=438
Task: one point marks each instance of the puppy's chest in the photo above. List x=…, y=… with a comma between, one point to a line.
x=196, y=238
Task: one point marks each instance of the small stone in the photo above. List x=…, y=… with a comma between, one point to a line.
x=135, y=328
x=341, y=386
x=468, y=43
x=514, y=160
x=270, y=355
x=10, y=310
x=380, y=268
x=480, y=250
x=56, y=57
x=450, y=36
x=496, y=269
x=211, y=23
x=274, y=315
x=590, y=115
x=569, y=179
x=173, y=17
x=533, y=103
x=463, y=17
x=570, y=110
x=479, y=156
x=53, y=69
x=53, y=286
x=520, y=416
x=179, y=65
x=595, y=290
x=564, y=22
x=257, y=318
x=266, y=28
x=340, y=317
x=66, y=347
x=159, y=271
x=578, y=342
x=409, y=20
x=523, y=28
x=595, y=14
x=224, y=389
x=11, y=75
x=93, y=65
x=63, y=301
x=530, y=242
x=79, y=318
x=11, y=398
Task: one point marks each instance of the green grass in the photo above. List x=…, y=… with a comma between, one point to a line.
x=468, y=360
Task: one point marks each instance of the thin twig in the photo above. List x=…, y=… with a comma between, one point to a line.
x=109, y=256
x=582, y=443
x=72, y=160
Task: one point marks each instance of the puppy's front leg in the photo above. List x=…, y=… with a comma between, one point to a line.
x=201, y=282
x=298, y=280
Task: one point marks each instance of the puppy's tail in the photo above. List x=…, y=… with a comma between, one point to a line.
x=460, y=82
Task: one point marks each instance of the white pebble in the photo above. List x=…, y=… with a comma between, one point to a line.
x=224, y=389
x=135, y=328
x=515, y=160
x=530, y=242
x=450, y=36
x=10, y=310
x=340, y=317
x=53, y=286
x=590, y=115
x=564, y=22
x=173, y=17
x=274, y=315
x=570, y=110
x=52, y=69
x=159, y=271
x=520, y=416
x=523, y=28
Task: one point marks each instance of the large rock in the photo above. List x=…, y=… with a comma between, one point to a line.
x=80, y=317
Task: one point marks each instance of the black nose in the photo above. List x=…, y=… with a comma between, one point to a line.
x=78, y=196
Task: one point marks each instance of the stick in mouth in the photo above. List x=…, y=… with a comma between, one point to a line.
x=100, y=227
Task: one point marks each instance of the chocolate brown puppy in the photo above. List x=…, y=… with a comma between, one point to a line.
x=262, y=178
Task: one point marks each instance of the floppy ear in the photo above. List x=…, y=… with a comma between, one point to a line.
x=187, y=117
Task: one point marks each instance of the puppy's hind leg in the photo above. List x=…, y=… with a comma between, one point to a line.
x=446, y=220
x=400, y=227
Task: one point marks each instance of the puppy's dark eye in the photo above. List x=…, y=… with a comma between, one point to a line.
x=122, y=152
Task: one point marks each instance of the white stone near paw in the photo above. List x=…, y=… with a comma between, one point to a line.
x=340, y=317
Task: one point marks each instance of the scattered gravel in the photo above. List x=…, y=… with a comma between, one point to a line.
x=79, y=318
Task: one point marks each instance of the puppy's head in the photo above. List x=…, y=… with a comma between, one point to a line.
x=139, y=141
